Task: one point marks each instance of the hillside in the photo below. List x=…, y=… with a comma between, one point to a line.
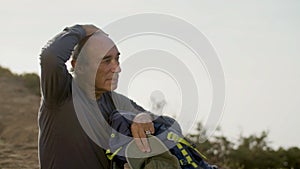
x=18, y=120
x=19, y=104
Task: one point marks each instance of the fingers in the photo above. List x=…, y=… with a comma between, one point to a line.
x=140, y=137
x=146, y=145
x=146, y=121
x=142, y=123
x=89, y=29
x=142, y=144
x=143, y=139
x=151, y=128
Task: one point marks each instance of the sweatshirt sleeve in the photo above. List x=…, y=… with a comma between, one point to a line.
x=123, y=103
x=55, y=78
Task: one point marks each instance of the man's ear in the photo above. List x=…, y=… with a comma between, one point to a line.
x=79, y=68
x=73, y=63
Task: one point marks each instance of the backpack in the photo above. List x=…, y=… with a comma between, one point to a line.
x=166, y=129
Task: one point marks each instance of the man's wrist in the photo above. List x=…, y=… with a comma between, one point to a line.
x=76, y=29
x=143, y=118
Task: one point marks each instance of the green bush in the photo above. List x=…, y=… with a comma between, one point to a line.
x=32, y=82
x=251, y=152
x=5, y=72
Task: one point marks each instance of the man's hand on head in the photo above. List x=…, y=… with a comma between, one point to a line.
x=142, y=124
x=89, y=29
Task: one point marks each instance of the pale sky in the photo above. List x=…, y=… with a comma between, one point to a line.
x=257, y=43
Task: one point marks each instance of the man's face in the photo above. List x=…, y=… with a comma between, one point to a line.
x=108, y=71
x=102, y=70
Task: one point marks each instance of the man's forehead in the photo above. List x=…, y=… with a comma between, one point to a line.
x=100, y=44
x=100, y=38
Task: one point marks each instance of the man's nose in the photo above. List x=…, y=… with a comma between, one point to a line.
x=116, y=67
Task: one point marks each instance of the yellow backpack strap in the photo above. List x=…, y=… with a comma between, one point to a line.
x=111, y=155
x=174, y=137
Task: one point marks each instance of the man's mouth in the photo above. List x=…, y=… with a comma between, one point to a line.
x=113, y=80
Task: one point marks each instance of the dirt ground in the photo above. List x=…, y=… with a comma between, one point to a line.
x=18, y=125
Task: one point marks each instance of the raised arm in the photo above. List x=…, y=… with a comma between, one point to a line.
x=55, y=78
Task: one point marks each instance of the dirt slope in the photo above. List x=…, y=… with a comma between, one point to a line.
x=18, y=123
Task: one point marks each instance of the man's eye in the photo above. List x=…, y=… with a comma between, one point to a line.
x=106, y=60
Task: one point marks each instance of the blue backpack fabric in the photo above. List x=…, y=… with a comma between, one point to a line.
x=166, y=129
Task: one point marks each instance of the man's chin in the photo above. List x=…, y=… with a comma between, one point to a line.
x=113, y=87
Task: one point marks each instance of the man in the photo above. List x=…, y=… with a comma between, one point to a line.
x=74, y=112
